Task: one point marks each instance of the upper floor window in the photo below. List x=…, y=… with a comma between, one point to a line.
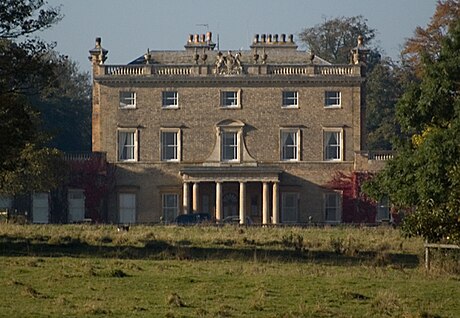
x=290, y=100
x=332, y=207
x=170, y=100
x=332, y=145
x=230, y=145
x=230, y=99
x=170, y=145
x=127, y=100
x=127, y=145
x=290, y=148
x=332, y=99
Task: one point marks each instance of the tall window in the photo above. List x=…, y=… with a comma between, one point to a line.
x=289, y=207
x=290, y=100
x=332, y=208
x=333, y=145
x=230, y=99
x=170, y=100
x=170, y=145
x=230, y=143
x=290, y=144
x=127, y=208
x=332, y=99
x=127, y=145
x=170, y=206
x=127, y=100
x=383, y=209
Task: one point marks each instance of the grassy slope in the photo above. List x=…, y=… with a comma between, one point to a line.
x=218, y=272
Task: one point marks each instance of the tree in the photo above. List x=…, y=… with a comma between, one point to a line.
x=428, y=41
x=383, y=89
x=23, y=17
x=333, y=39
x=65, y=109
x=425, y=175
x=25, y=71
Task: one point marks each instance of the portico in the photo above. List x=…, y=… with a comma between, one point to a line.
x=226, y=179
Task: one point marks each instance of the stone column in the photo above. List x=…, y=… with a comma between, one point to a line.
x=265, y=210
x=275, y=204
x=185, y=198
x=218, y=202
x=195, y=206
x=242, y=202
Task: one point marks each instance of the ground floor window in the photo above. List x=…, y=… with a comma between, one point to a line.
x=76, y=201
x=127, y=208
x=383, y=209
x=332, y=207
x=170, y=207
x=289, y=207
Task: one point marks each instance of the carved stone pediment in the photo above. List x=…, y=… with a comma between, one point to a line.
x=229, y=64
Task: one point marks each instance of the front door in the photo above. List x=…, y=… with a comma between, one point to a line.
x=230, y=203
x=40, y=207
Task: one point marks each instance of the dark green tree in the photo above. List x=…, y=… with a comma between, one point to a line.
x=25, y=71
x=65, y=109
x=383, y=89
x=425, y=175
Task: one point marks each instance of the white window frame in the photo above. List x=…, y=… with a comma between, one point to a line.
x=132, y=209
x=127, y=99
x=290, y=101
x=120, y=147
x=167, y=210
x=332, y=99
x=170, y=102
x=337, y=206
x=236, y=99
x=283, y=147
x=176, y=146
x=284, y=208
x=326, y=146
x=236, y=148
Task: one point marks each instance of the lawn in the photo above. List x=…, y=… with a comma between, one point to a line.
x=87, y=270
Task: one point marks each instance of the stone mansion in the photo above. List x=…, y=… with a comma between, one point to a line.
x=258, y=134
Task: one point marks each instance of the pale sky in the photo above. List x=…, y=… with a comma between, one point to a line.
x=128, y=28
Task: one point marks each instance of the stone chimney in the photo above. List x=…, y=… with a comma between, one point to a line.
x=273, y=42
x=200, y=41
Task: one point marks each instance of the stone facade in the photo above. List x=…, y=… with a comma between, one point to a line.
x=258, y=134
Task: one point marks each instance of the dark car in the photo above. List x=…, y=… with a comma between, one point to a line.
x=235, y=219
x=195, y=218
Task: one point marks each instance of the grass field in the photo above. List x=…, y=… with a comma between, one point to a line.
x=85, y=270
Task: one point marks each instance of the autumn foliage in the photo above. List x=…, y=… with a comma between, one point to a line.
x=356, y=206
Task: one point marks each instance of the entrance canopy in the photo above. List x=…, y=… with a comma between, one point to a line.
x=230, y=174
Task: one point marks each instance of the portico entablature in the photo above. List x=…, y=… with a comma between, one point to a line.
x=230, y=174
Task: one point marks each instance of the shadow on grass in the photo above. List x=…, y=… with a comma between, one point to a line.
x=161, y=250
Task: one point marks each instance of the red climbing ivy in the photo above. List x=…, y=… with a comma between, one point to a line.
x=96, y=177
x=356, y=206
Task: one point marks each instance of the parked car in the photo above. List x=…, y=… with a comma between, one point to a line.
x=235, y=219
x=195, y=218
